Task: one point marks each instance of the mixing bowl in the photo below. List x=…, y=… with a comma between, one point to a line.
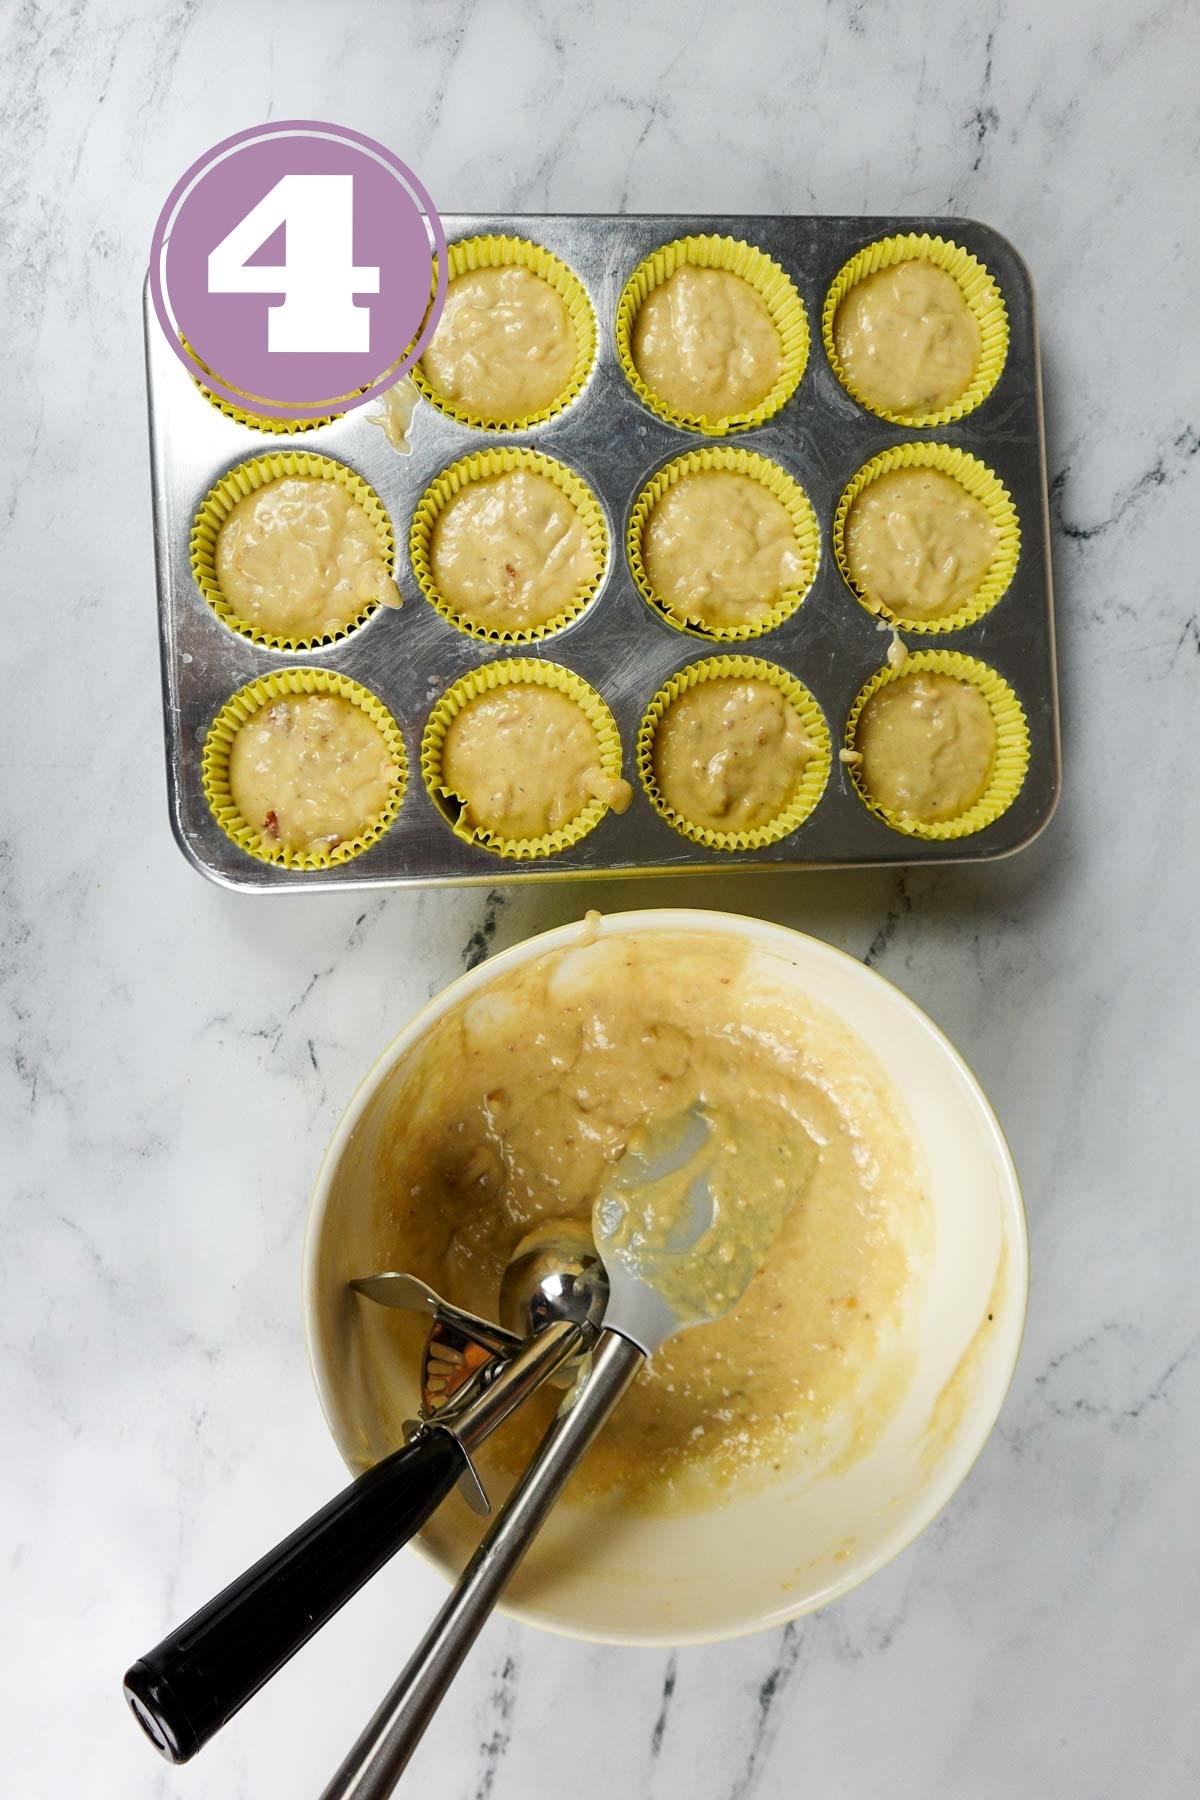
x=620, y=1575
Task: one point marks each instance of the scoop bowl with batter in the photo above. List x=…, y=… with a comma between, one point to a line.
x=713, y=1543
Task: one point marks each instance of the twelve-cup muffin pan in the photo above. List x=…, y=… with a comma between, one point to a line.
x=618, y=644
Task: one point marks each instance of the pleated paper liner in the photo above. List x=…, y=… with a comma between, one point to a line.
x=245, y=479
x=813, y=778
x=1012, y=744
x=980, y=291
x=977, y=480
x=243, y=706
x=517, y=672
x=765, y=276
x=506, y=252
x=481, y=467
x=777, y=482
x=257, y=421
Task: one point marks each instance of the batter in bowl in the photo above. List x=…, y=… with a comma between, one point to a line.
x=299, y=557
x=525, y=761
x=729, y=753
x=310, y=771
x=720, y=550
x=907, y=339
x=918, y=544
x=754, y=1167
x=511, y=552
x=928, y=744
x=517, y=1106
x=705, y=344
x=505, y=346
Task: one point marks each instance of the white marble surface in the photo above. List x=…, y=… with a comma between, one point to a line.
x=174, y=1057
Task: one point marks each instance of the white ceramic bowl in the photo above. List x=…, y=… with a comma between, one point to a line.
x=757, y=1561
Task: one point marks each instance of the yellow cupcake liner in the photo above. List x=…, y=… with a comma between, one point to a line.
x=488, y=463
x=245, y=479
x=260, y=421
x=978, y=481
x=776, y=481
x=241, y=707
x=1012, y=744
x=257, y=421
x=517, y=672
x=980, y=291
x=508, y=252
x=814, y=776
x=765, y=277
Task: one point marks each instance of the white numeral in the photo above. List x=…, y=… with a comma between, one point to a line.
x=318, y=276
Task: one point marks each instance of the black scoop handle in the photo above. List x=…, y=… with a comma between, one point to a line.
x=185, y=1689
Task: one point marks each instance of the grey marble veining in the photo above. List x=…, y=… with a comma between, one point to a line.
x=173, y=1058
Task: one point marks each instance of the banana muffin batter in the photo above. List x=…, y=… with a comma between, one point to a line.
x=310, y=771
x=907, y=339
x=299, y=557
x=525, y=761
x=511, y=552
x=513, y=1113
x=505, y=345
x=729, y=753
x=928, y=743
x=918, y=544
x=720, y=550
x=704, y=342
x=753, y=1167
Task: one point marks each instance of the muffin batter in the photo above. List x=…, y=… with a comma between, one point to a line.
x=310, y=771
x=704, y=342
x=505, y=346
x=399, y=403
x=918, y=544
x=720, y=550
x=729, y=753
x=525, y=761
x=752, y=1166
x=928, y=743
x=517, y=1106
x=907, y=339
x=511, y=552
x=300, y=558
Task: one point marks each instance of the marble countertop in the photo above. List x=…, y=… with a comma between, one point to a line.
x=174, y=1057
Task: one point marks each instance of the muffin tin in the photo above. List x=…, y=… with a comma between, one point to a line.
x=618, y=643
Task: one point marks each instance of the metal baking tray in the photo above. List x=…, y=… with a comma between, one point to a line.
x=619, y=645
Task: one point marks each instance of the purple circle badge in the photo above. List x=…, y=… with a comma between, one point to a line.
x=292, y=265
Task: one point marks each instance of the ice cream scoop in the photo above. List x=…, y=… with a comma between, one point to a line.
x=681, y=1234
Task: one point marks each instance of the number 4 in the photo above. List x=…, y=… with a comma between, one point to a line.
x=318, y=277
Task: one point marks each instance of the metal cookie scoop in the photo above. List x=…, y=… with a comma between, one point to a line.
x=460, y=1344
x=190, y=1684
x=672, y=1260
x=554, y=1274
